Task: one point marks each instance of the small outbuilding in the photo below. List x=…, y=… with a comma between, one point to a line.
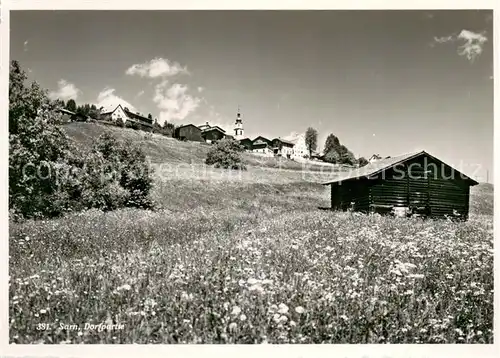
x=415, y=183
x=282, y=147
x=246, y=143
x=213, y=134
x=262, y=145
x=188, y=132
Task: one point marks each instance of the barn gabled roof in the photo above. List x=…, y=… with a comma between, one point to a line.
x=262, y=139
x=379, y=166
x=188, y=125
x=216, y=128
x=66, y=111
x=284, y=141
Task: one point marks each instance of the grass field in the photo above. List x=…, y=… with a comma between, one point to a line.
x=248, y=257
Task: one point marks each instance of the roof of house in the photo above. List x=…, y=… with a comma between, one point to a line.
x=261, y=138
x=384, y=164
x=204, y=126
x=67, y=111
x=217, y=128
x=128, y=113
x=110, y=109
x=284, y=141
x=187, y=125
x=138, y=116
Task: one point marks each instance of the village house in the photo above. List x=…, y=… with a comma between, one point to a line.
x=70, y=116
x=212, y=134
x=188, y=132
x=415, y=183
x=374, y=158
x=114, y=114
x=282, y=147
x=204, y=126
x=262, y=145
x=246, y=143
x=300, y=147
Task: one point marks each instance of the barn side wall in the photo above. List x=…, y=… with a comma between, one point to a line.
x=190, y=133
x=213, y=136
x=423, y=184
x=351, y=195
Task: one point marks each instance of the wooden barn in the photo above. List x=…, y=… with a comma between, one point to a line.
x=415, y=183
x=246, y=143
x=213, y=134
x=188, y=132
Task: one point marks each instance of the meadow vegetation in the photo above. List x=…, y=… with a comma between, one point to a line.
x=252, y=259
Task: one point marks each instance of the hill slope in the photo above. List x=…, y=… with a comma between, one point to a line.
x=161, y=149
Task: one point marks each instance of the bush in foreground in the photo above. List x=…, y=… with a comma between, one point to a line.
x=226, y=153
x=49, y=176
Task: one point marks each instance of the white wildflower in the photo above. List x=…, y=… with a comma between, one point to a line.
x=299, y=309
x=125, y=287
x=283, y=309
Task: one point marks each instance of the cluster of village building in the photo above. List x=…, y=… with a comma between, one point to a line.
x=210, y=134
x=260, y=145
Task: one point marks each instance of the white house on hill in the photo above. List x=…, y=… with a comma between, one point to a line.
x=300, y=148
x=119, y=113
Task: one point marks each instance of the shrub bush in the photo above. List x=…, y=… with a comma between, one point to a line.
x=48, y=175
x=120, y=123
x=226, y=153
x=126, y=177
x=362, y=161
x=133, y=125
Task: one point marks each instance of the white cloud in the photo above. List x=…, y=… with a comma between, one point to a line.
x=214, y=118
x=65, y=91
x=108, y=99
x=293, y=136
x=200, y=89
x=25, y=46
x=157, y=67
x=140, y=93
x=444, y=39
x=472, y=43
x=174, y=102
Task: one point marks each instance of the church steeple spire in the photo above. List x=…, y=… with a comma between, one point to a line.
x=238, y=126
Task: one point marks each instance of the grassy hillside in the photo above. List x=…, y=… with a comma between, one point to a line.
x=161, y=149
x=247, y=257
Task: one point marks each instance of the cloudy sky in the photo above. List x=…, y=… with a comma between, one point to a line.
x=386, y=82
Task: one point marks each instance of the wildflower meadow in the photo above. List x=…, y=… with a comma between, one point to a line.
x=242, y=261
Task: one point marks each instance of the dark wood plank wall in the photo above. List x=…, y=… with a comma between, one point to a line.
x=190, y=133
x=421, y=183
x=353, y=194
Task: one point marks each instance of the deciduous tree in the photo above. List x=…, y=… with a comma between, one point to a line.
x=311, y=140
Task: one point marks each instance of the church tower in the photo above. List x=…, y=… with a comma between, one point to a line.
x=238, y=127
